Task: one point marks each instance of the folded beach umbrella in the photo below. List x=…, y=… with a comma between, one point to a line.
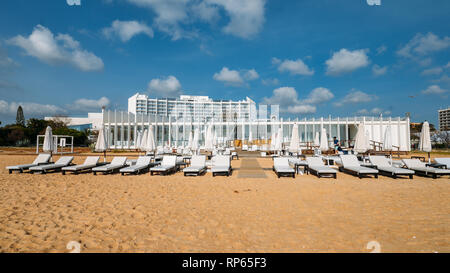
x=368, y=141
x=144, y=140
x=138, y=140
x=317, y=139
x=295, y=140
x=387, y=143
x=273, y=140
x=48, y=140
x=360, y=140
x=425, y=140
x=323, y=141
x=191, y=138
x=279, y=142
x=101, y=145
x=150, y=144
x=250, y=135
x=195, y=140
x=209, y=145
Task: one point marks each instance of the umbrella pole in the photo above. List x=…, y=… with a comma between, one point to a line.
x=104, y=156
x=429, y=160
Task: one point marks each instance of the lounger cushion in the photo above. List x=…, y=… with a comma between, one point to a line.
x=445, y=161
x=40, y=159
x=21, y=167
x=89, y=162
x=362, y=170
x=395, y=170
x=61, y=162
x=162, y=168
x=431, y=170
x=322, y=169
x=284, y=169
x=193, y=169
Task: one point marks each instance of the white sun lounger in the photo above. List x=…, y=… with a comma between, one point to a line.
x=384, y=167
x=168, y=165
x=198, y=166
x=116, y=164
x=282, y=168
x=350, y=164
x=444, y=161
x=221, y=165
x=62, y=162
x=39, y=160
x=420, y=168
x=143, y=163
x=89, y=163
x=317, y=167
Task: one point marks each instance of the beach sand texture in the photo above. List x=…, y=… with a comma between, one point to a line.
x=113, y=213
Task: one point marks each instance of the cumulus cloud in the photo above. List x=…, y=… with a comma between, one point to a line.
x=126, y=30
x=432, y=71
x=355, y=96
x=165, y=87
x=235, y=77
x=381, y=49
x=374, y=111
x=30, y=109
x=251, y=75
x=90, y=104
x=287, y=99
x=378, y=70
x=297, y=67
x=246, y=18
x=434, y=90
x=423, y=44
x=346, y=61
x=270, y=81
x=59, y=49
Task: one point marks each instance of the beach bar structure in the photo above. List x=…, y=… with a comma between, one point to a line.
x=230, y=130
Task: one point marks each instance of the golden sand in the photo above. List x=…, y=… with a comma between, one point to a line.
x=113, y=213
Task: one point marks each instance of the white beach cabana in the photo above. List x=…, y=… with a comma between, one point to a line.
x=323, y=141
x=360, y=140
x=101, y=145
x=425, y=140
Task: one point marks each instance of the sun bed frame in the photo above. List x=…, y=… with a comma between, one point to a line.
x=198, y=166
x=62, y=162
x=143, y=164
x=89, y=163
x=383, y=167
x=41, y=159
x=221, y=165
x=420, y=168
x=281, y=167
x=318, y=168
x=168, y=165
x=351, y=165
x=116, y=164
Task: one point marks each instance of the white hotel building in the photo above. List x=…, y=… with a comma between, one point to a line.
x=174, y=119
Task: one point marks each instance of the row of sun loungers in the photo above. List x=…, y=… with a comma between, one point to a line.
x=221, y=164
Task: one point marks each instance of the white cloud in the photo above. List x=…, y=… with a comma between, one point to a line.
x=30, y=109
x=126, y=30
x=355, y=96
x=89, y=104
x=251, y=75
x=235, y=77
x=297, y=67
x=345, y=61
x=168, y=87
x=381, y=49
x=246, y=18
x=319, y=95
x=432, y=71
x=424, y=44
x=378, y=70
x=287, y=99
x=61, y=49
x=269, y=81
x=374, y=111
x=434, y=90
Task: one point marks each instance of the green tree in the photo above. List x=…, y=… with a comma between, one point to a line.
x=20, y=119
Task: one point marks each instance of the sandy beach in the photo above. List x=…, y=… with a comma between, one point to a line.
x=113, y=213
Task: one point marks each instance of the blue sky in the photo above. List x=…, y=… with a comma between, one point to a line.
x=314, y=58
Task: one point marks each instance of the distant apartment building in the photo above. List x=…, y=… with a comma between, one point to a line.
x=200, y=108
x=444, y=119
